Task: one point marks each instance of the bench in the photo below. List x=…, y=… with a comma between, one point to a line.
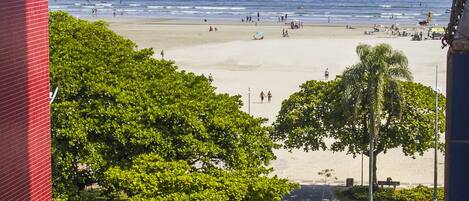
x=389, y=182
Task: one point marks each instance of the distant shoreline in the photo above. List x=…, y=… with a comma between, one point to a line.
x=192, y=21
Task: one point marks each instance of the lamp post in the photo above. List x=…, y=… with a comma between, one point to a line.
x=362, y=172
x=435, y=174
x=249, y=100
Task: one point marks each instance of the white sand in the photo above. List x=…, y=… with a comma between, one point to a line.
x=281, y=65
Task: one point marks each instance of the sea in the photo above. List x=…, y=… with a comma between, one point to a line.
x=314, y=11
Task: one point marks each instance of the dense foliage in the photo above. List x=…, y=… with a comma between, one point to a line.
x=311, y=118
x=136, y=125
x=419, y=193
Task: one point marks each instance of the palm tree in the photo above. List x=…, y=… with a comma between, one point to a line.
x=366, y=85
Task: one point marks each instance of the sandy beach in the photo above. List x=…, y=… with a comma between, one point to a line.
x=280, y=65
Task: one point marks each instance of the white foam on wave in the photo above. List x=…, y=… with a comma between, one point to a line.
x=134, y=10
x=104, y=4
x=156, y=7
x=219, y=8
x=364, y=16
x=385, y=6
x=188, y=12
x=134, y=4
x=392, y=14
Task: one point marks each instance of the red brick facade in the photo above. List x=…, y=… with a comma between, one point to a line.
x=25, y=170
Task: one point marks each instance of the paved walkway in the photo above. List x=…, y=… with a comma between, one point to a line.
x=311, y=193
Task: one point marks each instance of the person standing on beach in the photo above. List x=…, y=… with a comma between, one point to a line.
x=210, y=78
x=262, y=96
x=269, y=96
x=286, y=16
x=162, y=54
x=258, y=16
x=326, y=73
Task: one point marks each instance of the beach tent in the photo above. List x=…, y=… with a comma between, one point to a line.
x=258, y=36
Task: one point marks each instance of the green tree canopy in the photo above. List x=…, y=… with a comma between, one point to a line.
x=311, y=116
x=342, y=110
x=117, y=106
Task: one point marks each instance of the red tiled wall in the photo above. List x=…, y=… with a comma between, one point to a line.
x=25, y=170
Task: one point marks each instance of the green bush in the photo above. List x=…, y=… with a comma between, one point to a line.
x=419, y=193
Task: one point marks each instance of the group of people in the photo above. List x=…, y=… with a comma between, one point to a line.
x=212, y=29
x=114, y=12
x=94, y=12
x=249, y=18
x=282, y=18
x=263, y=96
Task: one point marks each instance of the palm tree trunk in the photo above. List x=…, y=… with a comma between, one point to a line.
x=372, y=162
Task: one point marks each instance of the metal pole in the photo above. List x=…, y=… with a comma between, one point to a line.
x=362, y=171
x=249, y=100
x=435, y=176
x=370, y=179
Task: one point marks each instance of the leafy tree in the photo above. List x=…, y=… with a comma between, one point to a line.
x=117, y=107
x=150, y=176
x=366, y=84
x=341, y=110
x=327, y=174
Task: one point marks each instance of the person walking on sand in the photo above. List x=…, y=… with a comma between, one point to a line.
x=269, y=96
x=262, y=96
x=326, y=73
x=210, y=78
x=162, y=54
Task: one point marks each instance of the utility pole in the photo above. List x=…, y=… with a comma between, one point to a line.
x=362, y=171
x=249, y=100
x=370, y=170
x=435, y=176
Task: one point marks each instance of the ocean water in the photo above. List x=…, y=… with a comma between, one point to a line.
x=317, y=11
